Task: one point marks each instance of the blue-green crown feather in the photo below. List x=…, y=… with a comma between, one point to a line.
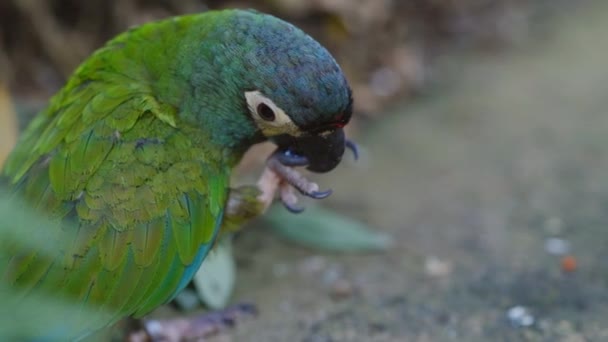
x=256, y=51
x=291, y=68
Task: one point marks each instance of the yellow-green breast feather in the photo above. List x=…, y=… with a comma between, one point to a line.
x=144, y=200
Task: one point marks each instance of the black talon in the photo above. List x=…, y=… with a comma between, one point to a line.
x=319, y=194
x=292, y=208
x=288, y=158
x=353, y=147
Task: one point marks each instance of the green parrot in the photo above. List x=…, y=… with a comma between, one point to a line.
x=132, y=158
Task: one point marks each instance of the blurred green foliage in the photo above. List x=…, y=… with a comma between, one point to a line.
x=37, y=314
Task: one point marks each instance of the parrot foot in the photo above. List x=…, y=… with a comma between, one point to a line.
x=284, y=179
x=295, y=179
x=193, y=328
x=289, y=198
x=280, y=176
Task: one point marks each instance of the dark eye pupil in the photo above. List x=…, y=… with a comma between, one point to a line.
x=265, y=112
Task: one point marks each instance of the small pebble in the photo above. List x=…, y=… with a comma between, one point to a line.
x=520, y=317
x=569, y=264
x=341, y=289
x=557, y=246
x=436, y=267
x=153, y=327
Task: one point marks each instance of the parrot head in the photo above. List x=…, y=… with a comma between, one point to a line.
x=299, y=97
x=291, y=90
x=317, y=143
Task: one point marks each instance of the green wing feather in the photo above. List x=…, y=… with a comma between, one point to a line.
x=135, y=199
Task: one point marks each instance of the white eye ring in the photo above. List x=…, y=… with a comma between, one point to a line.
x=269, y=118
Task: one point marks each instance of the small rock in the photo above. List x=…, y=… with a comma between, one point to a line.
x=557, y=246
x=568, y=263
x=341, y=289
x=436, y=267
x=520, y=317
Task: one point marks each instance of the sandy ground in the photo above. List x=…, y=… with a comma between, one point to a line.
x=470, y=181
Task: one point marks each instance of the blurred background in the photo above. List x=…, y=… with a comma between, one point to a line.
x=482, y=125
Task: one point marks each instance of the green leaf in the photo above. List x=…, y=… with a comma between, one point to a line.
x=38, y=314
x=20, y=225
x=324, y=229
x=214, y=281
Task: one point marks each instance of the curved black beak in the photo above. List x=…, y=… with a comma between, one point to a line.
x=319, y=153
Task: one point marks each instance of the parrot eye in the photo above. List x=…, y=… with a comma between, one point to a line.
x=270, y=119
x=265, y=112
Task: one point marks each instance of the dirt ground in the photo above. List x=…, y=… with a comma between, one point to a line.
x=472, y=181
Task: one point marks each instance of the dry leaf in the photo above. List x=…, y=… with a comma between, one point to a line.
x=8, y=124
